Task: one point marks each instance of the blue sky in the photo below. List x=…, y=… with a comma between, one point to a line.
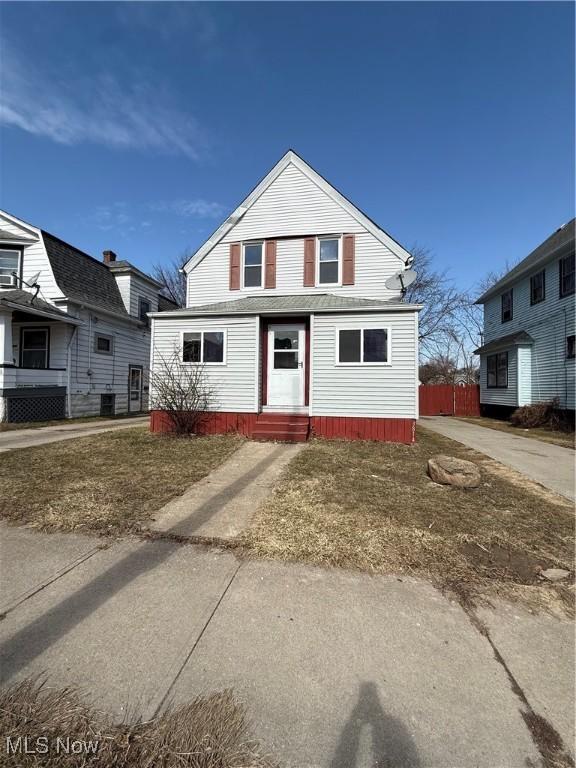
x=139, y=126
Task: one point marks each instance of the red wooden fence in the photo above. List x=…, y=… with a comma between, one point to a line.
x=449, y=400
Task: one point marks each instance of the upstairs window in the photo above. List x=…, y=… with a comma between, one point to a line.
x=9, y=263
x=252, y=267
x=206, y=347
x=144, y=307
x=567, y=282
x=507, y=300
x=363, y=346
x=34, y=348
x=538, y=287
x=497, y=371
x=329, y=261
x=570, y=347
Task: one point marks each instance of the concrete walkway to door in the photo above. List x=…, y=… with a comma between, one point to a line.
x=550, y=465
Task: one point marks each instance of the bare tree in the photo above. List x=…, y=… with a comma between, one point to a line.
x=440, y=300
x=170, y=274
x=180, y=390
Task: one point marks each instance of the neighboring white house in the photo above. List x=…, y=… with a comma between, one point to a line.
x=288, y=310
x=74, y=332
x=529, y=334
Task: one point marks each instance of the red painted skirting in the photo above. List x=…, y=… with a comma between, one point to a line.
x=360, y=428
x=215, y=423
x=337, y=427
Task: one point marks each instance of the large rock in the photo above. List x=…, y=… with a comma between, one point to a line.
x=450, y=471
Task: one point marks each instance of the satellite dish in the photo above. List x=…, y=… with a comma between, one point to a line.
x=34, y=280
x=401, y=280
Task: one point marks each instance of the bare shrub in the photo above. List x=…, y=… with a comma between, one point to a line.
x=535, y=415
x=209, y=732
x=180, y=390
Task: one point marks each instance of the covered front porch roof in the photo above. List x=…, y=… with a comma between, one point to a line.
x=289, y=305
x=511, y=340
x=24, y=305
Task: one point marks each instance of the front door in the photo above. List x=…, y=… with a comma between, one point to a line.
x=286, y=361
x=135, y=388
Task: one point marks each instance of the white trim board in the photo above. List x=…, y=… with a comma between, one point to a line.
x=291, y=158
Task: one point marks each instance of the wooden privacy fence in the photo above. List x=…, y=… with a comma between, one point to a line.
x=449, y=399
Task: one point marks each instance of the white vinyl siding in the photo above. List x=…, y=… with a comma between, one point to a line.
x=109, y=372
x=233, y=384
x=132, y=288
x=374, y=263
x=548, y=323
x=500, y=395
x=379, y=391
x=35, y=260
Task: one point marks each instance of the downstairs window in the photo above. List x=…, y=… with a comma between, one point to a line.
x=497, y=371
x=206, y=347
x=363, y=346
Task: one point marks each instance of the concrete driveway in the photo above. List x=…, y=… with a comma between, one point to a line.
x=339, y=669
x=550, y=465
x=28, y=438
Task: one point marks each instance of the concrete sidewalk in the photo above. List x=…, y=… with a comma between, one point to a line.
x=221, y=505
x=339, y=669
x=28, y=438
x=550, y=465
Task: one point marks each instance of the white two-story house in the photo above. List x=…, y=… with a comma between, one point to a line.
x=289, y=314
x=528, y=353
x=74, y=331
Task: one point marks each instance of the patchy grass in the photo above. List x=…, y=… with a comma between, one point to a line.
x=11, y=426
x=109, y=483
x=564, y=439
x=209, y=732
x=371, y=506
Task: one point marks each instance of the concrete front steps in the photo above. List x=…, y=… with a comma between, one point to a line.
x=284, y=427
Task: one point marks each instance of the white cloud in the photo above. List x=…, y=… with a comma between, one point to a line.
x=197, y=208
x=98, y=110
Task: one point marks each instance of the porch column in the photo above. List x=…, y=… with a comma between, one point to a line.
x=6, y=351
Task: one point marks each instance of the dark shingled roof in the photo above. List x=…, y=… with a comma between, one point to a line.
x=511, y=340
x=165, y=304
x=26, y=300
x=82, y=278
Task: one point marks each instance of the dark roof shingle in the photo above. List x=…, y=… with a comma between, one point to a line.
x=82, y=278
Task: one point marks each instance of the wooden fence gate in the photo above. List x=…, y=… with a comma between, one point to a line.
x=449, y=399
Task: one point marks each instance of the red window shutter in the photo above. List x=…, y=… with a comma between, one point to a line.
x=309, y=261
x=234, y=266
x=270, y=265
x=348, y=259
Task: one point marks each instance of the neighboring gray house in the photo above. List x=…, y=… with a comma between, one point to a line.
x=74, y=331
x=529, y=334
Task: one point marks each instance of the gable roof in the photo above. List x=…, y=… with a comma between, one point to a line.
x=292, y=158
x=559, y=243
x=318, y=302
x=82, y=278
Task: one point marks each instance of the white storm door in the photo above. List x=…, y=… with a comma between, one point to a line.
x=286, y=360
x=134, y=389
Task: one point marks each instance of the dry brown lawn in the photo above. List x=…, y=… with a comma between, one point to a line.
x=371, y=506
x=564, y=439
x=110, y=483
x=211, y=731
